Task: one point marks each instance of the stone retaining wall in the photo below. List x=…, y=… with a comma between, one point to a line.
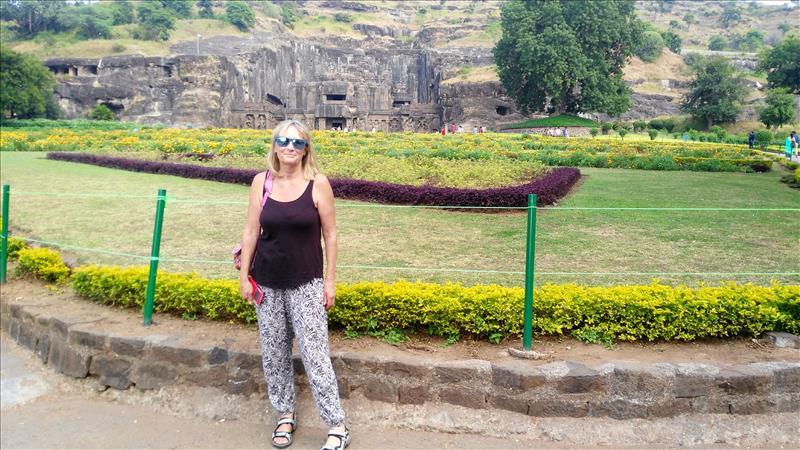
x=559, y=389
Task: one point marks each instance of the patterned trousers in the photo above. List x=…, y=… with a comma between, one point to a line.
x=298, y=312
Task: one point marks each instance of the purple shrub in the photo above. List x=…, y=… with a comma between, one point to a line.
x=548, y=188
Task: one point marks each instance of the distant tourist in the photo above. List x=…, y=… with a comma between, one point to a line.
x=789, y=146
x=460, y=129
x=565, y=132
x=480, y=129
x=444, y=131
x=373, y=130
x=287, y=284
x=474, y=130
x=751, y=139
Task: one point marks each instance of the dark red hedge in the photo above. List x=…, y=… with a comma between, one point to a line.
x=548, y=188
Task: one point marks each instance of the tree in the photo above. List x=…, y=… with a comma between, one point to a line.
x=730, y=15
x=33, y=16
x=204, y=7
x=782, y=64
x=650, y=48
x=289, y=14
x=560, y=56
x=779, y=110
x=26, y=86
x=123, y=12
x=93, y=28
x=715, y=94
x=101, y=112
x=240, y=15
x=155, y=21
x=688, y=18
x=672, y=41
x=717, y=43
x=181, y=8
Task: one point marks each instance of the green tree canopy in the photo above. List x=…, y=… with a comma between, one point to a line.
x=650, y=47
x=715, y=94
x=779, y=110
x=26, y=87
x=672, y=41
x=731, y=14
x=717, y=43
x=33, y=16
x=155, y=21
x=181, y=8
x=240, y=15
x=205, y=9
x=560, y=56
x=782, y=64
x=123, y=12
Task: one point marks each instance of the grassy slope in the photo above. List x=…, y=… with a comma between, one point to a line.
x=584, y=241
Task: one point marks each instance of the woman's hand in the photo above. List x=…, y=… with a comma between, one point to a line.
x=246, y=290
x=328, y=294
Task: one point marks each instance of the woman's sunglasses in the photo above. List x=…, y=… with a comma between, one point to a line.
x=298, y=144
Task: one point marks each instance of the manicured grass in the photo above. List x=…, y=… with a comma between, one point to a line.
x=373, y=235
x=564, y=120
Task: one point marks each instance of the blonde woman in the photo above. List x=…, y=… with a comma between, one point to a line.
x=282, y=243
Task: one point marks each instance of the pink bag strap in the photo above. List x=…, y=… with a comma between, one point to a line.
x=267, y=188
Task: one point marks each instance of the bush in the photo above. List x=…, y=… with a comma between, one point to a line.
x=717, y=43
x=668, y=124
x=653, y=134
x=622, y=133
x=719, y=132
x=656, y=124
x=639, y=125
x=14, y=246
x=240, y=15
x=763, y=138
x=101, y=112
x=650, y=47
x=342, y=17
x=42, y=263
x=606, y=127
x=629, y=313
x=594, y=132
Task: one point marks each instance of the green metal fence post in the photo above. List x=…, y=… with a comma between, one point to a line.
x=4, y=239
x=530, y=252
x=151, y=281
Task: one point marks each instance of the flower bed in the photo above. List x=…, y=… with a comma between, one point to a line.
x=484, y=146
x=548, y=188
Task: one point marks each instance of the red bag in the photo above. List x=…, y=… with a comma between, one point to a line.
x=237, y=249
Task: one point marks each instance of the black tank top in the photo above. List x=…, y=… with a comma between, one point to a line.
x=289, y=252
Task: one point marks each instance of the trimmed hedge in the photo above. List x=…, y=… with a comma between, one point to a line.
x=630, y=313
x=42, y=263
x=548, y=188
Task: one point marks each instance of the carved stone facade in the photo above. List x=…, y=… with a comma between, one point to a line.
x=325, y=88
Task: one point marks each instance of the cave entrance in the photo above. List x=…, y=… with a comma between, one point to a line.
x=335, y=122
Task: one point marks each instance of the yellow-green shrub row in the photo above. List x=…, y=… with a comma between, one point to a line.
x=42, y=263
x=649, y=312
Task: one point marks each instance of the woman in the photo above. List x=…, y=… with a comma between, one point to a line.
x=282, y=241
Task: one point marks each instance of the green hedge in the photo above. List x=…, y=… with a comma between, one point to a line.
x=648, y=313
x=42, y=263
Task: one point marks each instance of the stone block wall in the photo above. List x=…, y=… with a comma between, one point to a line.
x=619, y=390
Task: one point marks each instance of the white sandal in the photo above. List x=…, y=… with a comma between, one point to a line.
x=284, y=434
x=344, y=439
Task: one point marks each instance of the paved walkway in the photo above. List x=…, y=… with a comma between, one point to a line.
x=42, y=409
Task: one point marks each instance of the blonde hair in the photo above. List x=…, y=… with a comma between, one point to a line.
x=309, y=163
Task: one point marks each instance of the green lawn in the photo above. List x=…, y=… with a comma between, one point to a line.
x=564, y=120
x=373, y=235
